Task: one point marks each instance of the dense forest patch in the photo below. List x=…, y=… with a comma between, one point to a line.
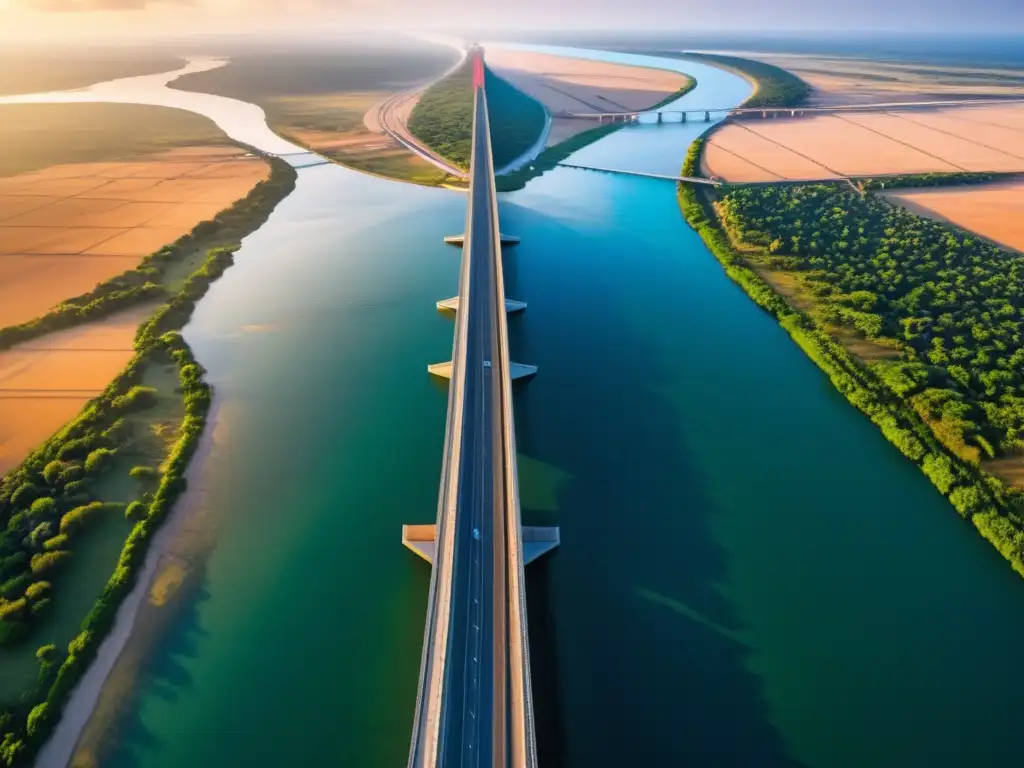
x=948, y=304
x=443, y=118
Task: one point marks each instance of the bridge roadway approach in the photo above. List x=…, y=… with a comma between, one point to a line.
x=474, y=705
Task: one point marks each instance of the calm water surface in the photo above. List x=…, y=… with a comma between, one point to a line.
x=749, y=575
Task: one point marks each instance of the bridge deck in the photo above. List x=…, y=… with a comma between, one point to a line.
x=474, y=706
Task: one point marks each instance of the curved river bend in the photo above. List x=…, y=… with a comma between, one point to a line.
x=749, y=574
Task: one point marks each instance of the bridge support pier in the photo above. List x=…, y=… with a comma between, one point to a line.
x=537, y=541
x=515, y=370
x=707, y=117
x=684, y=117
x=452, y=304
x=659, y=117
x=460, y=240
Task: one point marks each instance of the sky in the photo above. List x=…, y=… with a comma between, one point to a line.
x=93, y=20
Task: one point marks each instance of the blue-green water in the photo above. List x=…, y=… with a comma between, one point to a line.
x=749, y=574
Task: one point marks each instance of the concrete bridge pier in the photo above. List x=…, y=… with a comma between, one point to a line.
x=707, y=117
x=516, y=370
x=537, y=541
x=659, y=117
x=683, y=115
x=460, y=240
x=452, y=304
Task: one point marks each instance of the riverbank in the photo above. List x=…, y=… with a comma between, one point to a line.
x=110, y=427
x=869, y=382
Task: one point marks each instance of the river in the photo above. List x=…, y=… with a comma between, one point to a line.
x=750, y=575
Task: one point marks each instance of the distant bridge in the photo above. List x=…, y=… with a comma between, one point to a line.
x=666, y=177
x=679, y=115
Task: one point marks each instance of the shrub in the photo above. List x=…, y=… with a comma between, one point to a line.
x=75, y=449
x=38, y=719
x=145, y=474
x=70, y=474
x=136, y=398
x=77, y=517
x=52, y=471
x=40, y=533
x=55, y=543
x=46, y=654
x=37, y=590
x=47, y=561
x=44, y=508
x=13, y=610
x=968, y=500
x=24, y=496
x=77, y=487
x=98, y=459
x=136, y=511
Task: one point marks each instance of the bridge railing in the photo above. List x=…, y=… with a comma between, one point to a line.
x=425, y=733
x=524, y=743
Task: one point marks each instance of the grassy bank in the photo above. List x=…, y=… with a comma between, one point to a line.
x=775, y=87
x=940, y=414
x=76, y=479
x=934, y=180
x=443, y=118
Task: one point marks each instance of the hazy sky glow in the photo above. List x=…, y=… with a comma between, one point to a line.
x=92, y=19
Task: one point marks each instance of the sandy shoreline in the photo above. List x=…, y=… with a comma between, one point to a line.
x=82, y=703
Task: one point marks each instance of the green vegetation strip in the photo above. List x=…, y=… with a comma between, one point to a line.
x=775, y=87
x=948, y=304
x=933, y=180
x=47, y=501
x=443, y=118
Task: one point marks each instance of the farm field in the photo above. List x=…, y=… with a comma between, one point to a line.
x=860, y=144
x=66, y=228
x=994, y=211
x=45, y=382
